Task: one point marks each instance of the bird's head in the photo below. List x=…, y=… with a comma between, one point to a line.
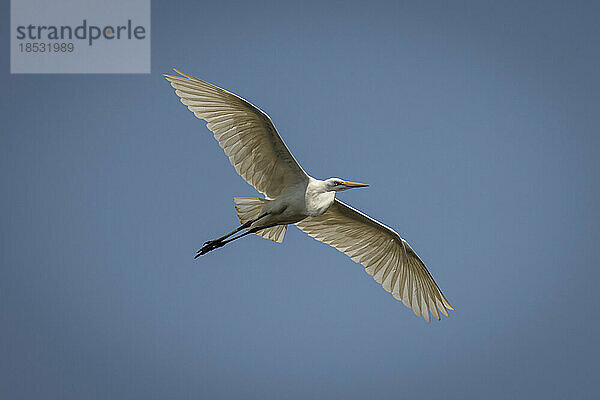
x=337, y=185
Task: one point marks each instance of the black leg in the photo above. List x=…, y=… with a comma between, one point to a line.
x=216, y=243
x=209, y=246
x=236, y=230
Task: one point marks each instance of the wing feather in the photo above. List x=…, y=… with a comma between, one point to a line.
x=384, y=254
x=245, y=133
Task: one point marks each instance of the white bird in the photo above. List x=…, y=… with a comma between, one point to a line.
x=292, y=196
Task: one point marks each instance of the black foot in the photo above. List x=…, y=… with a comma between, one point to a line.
x=209, y=246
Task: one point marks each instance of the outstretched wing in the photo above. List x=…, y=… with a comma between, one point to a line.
x=386, y=256
x=246, y=134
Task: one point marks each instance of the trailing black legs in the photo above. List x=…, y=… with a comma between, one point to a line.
x=220, y=242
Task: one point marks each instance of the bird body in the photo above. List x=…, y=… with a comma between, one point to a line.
x=307, y=199
x=260, y=156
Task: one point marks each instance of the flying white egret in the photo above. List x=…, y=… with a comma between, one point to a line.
x=292, y=196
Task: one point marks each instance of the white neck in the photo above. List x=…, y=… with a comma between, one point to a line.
x=318, y=197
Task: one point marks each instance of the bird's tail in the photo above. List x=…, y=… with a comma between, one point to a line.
x=250, y=208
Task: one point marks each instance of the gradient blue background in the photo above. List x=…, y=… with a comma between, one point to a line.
x=476, y=124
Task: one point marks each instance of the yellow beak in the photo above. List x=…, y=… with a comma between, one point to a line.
x=354, y=184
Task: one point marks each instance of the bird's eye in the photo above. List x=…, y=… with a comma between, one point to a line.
x=338, y=183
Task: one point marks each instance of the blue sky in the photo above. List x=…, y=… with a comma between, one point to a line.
x=476, y=126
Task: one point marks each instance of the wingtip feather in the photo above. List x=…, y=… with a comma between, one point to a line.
x=184, y=74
